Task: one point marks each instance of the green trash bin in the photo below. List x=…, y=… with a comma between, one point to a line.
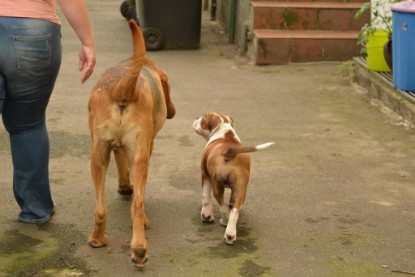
x=128, y=9
x=170, y=24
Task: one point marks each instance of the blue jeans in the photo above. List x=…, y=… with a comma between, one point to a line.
x=30, y=57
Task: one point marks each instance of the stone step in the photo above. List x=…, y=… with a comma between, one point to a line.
x=335, y=16
x=277, y=47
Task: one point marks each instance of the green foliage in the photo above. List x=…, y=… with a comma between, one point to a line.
x=377, y=18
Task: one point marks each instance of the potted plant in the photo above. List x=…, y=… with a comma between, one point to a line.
x=376, y=35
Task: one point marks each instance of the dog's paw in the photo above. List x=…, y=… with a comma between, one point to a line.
x=223, y=222
x=230, y=237
x=207, y=216
x=139, y=257
x=125, y=190
x=97, y=243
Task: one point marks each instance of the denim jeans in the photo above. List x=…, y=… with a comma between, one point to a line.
x=30, y=57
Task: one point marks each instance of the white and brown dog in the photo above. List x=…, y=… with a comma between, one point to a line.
x=225, y=164
x=128, y=106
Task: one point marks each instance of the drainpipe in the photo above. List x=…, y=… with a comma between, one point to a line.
x=232, y=22
x=205, y=5
x=244, y=39
x=213, y=10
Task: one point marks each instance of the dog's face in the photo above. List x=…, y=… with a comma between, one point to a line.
x=209, y=123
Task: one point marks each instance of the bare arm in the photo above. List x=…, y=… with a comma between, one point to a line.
x=76, y=13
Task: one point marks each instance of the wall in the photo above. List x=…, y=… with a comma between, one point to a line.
x=224, y=16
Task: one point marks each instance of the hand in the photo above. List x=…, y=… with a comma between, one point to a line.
x=86, y=61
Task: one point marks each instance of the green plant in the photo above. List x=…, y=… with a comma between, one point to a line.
x=381, y=16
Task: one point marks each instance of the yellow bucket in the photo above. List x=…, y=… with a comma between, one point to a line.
x=375, y=57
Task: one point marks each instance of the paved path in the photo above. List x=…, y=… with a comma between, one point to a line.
x=333, y=197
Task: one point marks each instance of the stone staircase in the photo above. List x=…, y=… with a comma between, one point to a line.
x=296, y=32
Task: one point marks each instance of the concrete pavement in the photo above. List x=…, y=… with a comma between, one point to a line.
x=333, y=197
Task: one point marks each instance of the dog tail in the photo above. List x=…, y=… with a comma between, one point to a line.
x=232, y=152
x=124, y=89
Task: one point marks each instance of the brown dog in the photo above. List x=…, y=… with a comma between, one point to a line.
x=225, y=164
x=128, y=106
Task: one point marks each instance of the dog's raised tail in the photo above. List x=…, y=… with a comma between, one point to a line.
x=232, y=152
x=264, y=145
x=124, y=90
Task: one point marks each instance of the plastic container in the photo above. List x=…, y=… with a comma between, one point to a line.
x=170, y=24
x=128, y=9
x=375, y=54
x=403, y=45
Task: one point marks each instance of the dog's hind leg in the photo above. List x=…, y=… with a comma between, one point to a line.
x=124, y=185
x=100, y=156
x=230, y=232
x=139, y=172
x=218, y=192
x=207, y=208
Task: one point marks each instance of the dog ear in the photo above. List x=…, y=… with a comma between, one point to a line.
x=210, y=121
x=204, y=122
x=227, y=119
x=231, y=121
x=214, y=122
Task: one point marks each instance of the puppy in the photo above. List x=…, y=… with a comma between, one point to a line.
x=128, y=106
x=225, y=164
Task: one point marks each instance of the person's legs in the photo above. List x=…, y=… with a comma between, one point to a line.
x=29, y=63
x=2, y=91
